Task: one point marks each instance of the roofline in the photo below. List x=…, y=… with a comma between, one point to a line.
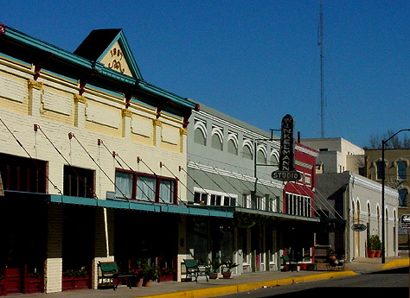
x=46, y=47
x=89, y=65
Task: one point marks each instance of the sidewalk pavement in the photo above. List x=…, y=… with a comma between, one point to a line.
x=242, y=283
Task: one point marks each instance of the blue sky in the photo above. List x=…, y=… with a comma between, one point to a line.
x=255, y=60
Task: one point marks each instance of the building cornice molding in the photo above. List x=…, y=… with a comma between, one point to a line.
x=80, y=99
x=214, y=170
x=235, y=128
x=32, y=84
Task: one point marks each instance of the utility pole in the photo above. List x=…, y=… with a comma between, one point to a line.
x=322, y=99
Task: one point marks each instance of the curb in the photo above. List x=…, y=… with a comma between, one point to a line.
x=398, y=263
x=234, y=289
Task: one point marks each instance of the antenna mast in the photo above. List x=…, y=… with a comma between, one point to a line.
x=322, y=100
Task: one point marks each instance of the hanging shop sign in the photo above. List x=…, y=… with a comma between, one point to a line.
x=286, y=170
x=358, y=227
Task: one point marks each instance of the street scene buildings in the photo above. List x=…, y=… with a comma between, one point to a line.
x=99, y=165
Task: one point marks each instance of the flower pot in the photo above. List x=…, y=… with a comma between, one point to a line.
x=213, y=275
x=147, y=282
x=377, y=253
x=226, y=274
x=140, y=281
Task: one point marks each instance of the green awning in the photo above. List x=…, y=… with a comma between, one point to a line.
x=276, y=214
x=139, y=206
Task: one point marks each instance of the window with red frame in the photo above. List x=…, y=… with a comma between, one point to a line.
x=78, y=182
x=23, y=174
x=143, y=187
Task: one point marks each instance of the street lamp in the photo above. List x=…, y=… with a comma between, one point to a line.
x=383, y=179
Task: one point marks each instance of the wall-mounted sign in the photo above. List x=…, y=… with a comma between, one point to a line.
x=358, y=227
x=286, y=175
x=405, y=221
x=286, y=170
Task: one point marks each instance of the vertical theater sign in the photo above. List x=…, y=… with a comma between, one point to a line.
x=286, y=171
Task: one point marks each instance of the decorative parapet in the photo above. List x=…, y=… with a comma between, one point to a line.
x=79, y=99
x=35, y=85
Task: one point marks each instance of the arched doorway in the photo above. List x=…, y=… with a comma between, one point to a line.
x=357, y=233
x=386, y=228
x=394, y=233
x=368, y=224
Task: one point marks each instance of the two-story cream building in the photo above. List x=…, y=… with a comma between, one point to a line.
x=91, y=161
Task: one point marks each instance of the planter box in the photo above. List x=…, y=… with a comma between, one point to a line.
x=12, y=280
x=167, y=277
x=2, y=289
x=74, y=283
x=33, y=285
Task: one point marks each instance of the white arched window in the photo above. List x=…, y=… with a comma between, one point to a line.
x=261, y=155
x=217, y=138
x=200, y=134
x=247, y=151
x=233, y=143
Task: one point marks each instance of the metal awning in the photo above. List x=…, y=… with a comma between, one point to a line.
x=120, y=204
x=139, y=206
x=275, y=214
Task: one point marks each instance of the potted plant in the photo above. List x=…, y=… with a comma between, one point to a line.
x=378, y=246
x=374, y=246
x=228, y=265
x=215, y=267
x=149, y=274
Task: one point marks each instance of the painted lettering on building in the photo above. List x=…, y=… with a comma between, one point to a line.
x=116, y=59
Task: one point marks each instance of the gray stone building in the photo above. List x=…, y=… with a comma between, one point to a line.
x=229, y=166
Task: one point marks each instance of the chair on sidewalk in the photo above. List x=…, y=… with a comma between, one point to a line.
x=193, y=269
x=288, y=264
x=110, y=275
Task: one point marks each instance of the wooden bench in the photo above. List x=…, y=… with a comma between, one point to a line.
x=193, y=269
x=111, y=276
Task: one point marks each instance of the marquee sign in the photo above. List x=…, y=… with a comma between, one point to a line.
x=286, y=170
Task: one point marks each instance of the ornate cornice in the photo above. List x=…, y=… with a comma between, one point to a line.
x=79, y=99
x=183, y=131
x=157, y=122
x=35, y=85
x=126, y=113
